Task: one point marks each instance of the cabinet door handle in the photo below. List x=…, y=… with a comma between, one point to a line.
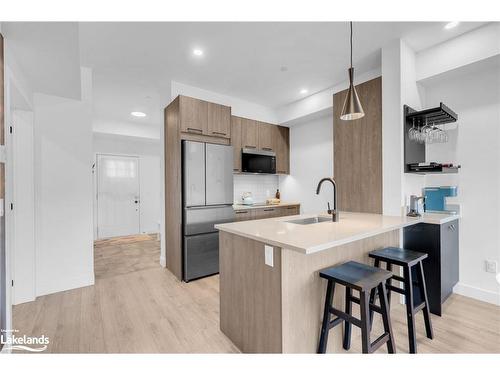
x=219, y=133
x=267, y=148
x=247, y=146
x=242, y=212
x=269, y=209
x=195, y=130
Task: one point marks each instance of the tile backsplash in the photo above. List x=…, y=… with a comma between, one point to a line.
x=261, y=186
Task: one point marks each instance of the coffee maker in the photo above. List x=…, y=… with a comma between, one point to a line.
x=416, y=208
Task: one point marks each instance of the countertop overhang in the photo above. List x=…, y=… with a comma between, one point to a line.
x=308, y=239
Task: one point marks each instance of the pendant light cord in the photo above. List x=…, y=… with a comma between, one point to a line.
x=351, y=42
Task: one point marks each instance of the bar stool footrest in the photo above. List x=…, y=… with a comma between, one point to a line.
x=380, y=341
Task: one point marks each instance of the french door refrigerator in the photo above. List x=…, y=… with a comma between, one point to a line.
x=207, y=198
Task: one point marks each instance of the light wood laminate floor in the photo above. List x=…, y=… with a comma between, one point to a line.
x=136, y=306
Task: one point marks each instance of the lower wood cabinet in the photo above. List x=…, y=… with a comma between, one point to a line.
x=266, y=212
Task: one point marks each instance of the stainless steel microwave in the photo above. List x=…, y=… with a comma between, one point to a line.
x=258, y=161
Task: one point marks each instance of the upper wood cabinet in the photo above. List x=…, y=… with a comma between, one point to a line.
x=281, y=141
x=236, y=142
x=249, y=133
x=219, y=120
x=246, y=133
x=266, y=133
x=193, y=115
x=204, y=118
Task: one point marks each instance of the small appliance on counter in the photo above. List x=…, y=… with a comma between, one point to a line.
x=435, y=198
x=416, y=206
x=247, y=199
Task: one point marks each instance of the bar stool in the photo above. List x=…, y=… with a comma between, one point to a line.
x=363, y=278
x=413, y=276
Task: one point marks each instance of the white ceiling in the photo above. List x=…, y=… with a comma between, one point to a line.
x=243, y=59
x=48, y=55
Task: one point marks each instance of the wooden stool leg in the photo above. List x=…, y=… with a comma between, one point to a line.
x=386, y=317
x=364, y=299
x=389, y=282
x=325, y=326
x=410, y=317
x=372, y=293
x=423, y=293
x=347, y=324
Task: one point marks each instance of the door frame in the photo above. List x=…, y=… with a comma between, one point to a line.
x=96, y=187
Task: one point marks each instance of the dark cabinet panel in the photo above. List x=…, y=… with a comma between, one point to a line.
x=440, y=242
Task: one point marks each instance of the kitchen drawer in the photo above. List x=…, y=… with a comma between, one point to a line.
x=243, y=215
x=290, y=210
x=268, y=212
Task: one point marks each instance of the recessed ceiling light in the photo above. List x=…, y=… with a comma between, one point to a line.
x=197, y=52
x=451, y=25
x=138, y=114
x=304, y=91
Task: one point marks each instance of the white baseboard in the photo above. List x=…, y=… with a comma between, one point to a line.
x=477, y=293
x=163, y=262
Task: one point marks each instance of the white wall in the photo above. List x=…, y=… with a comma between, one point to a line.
x=23, y=244
x=475, y=143
x=148, y=152
x=320, y=101
x=262, y=187
x=311, y=159
x=63, y=190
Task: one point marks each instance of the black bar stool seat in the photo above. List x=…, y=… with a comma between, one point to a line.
x=363, y=278
x=413, y=277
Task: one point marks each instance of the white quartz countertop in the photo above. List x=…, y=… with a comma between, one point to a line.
x=261, y=205
x=316, y=237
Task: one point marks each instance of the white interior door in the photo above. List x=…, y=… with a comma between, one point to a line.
x=118, y=196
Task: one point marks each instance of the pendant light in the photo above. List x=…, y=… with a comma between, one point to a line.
x=352, y=109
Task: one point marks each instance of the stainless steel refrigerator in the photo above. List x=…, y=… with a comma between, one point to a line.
x=207, y=198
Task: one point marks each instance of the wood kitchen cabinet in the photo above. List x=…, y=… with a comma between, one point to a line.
x=249, y=133
x=236, y=142
x=243, y=215
x=266, y=134
x=204, y=118
x=266, y=212
x=193, y=115
x=219, y=120
x=282, y=148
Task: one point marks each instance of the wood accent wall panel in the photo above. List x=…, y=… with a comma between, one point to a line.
x=358, y=151
x=173, y=195
x=250, y=295
x=303, y=292
x=236, y=142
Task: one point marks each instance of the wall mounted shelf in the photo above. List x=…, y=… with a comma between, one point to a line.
x=433, y=116
x=414, y=152
x=445, y=170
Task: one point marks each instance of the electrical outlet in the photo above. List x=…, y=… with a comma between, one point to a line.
x=268, y=255
x=491, y=266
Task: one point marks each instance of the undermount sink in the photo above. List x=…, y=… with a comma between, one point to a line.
x=309, y=220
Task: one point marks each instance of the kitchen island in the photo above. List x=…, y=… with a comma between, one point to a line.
x=271, y=295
